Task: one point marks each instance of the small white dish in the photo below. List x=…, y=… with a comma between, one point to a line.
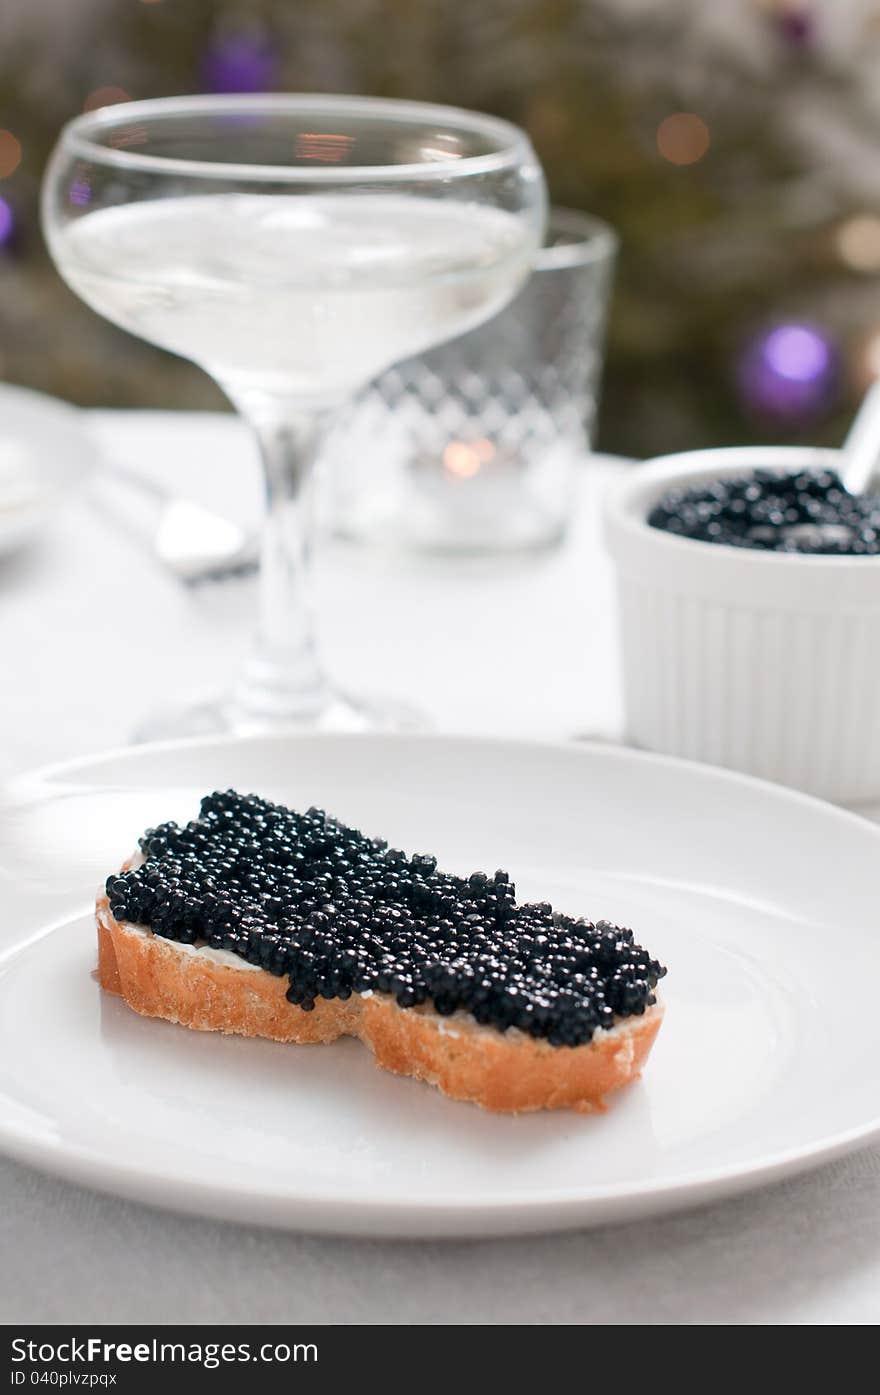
x=763, y=662
x=758, y=900
x=45, y=451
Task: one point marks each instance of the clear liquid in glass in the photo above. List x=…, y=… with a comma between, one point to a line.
x=308, y=295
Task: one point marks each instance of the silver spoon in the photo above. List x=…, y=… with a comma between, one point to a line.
x=196, y=544
x=858, y=470
x=860, y=455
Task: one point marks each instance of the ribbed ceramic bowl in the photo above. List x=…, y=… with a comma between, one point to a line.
x=763, y=662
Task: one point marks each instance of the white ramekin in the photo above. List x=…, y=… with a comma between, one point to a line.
x=763, y=662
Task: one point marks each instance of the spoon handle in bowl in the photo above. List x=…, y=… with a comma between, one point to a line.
x=861, y=449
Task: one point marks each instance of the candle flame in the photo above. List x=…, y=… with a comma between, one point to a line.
x=463, y=459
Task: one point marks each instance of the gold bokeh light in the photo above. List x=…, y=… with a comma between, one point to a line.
x=105, y=97
x=326, y=147
x=683, y=138
x=10, y=154
x=858, y=242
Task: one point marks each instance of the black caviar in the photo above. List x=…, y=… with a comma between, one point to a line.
x=805, y=512
x=338, y=913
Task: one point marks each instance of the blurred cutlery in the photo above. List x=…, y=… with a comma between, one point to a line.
x=193, y=542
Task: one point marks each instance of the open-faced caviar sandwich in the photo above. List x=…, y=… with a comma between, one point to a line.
x=257, y=920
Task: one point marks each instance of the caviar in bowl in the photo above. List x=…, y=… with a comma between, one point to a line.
x=761, y=651
x=801, y=511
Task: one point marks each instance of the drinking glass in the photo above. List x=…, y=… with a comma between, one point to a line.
x=476, y=446
x=293, y=247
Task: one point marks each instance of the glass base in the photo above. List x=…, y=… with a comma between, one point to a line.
x=223, y=717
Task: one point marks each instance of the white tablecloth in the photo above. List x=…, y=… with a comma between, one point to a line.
x=100, y=636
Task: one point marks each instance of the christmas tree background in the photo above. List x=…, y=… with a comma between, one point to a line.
x=734, y=145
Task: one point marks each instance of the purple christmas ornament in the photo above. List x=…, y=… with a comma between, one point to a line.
x=796, y=26
x=789, y=373
x=7, y=224
x=240, y=61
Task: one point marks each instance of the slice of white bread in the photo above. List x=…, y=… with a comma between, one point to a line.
x=508, y=1072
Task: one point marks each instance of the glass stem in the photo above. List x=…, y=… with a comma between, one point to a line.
x=283, y=681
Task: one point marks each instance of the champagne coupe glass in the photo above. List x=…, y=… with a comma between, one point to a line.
x=293, y=247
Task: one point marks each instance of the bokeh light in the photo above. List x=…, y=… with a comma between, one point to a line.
x=797, y=352
x=464, y=459
x=789, y=372
x=7, y=223
x=858, y=242
x=865, y=360
x=872, y=355
x=796, y=25
x=683, y=138
x=10, y=154
x=329, y=149
x=240, y=61
x=80, y=193
x=106, y=97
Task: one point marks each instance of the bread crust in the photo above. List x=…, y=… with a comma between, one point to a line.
x=507, y=1072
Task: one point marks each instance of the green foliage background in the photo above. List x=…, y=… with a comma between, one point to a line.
x=710, y=252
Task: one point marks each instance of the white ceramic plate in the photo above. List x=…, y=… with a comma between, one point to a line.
x=44, y=452
x=762, y=903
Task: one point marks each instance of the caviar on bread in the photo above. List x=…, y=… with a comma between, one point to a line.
x=262, y=921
